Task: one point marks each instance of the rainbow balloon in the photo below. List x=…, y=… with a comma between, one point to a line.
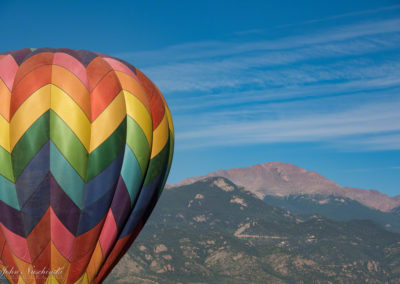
x=86, y=144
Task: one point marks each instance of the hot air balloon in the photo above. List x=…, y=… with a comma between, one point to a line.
x=86, y=144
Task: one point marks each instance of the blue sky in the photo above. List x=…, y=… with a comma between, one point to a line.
x=311, y=83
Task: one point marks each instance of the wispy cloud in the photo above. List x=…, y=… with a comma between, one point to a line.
x=383, y=142
x=346, y=15
x=369, y=119
x=258, y=66
x=214, y=49
x=306, y=81
x=339, y=86
x=373, y=169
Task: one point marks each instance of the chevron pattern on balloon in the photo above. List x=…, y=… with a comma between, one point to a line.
x=86, y=144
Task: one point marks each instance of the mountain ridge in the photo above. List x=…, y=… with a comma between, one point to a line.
x=285, y=179
x=213, y=231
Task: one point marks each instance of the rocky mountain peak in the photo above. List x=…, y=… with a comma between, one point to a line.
x=284, y=179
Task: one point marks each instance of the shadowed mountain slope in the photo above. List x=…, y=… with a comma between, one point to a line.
x=213, y=231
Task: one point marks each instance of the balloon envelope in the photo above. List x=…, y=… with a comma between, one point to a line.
x=86, y=143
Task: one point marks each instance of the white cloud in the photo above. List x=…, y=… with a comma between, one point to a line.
x=382, y=142
x=210, y=49
x=261, y=67
x=368, y=119
x=335, y=17
x=338, y=86
x=346, y=78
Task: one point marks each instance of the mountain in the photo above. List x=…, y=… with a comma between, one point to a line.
x=213, y=231
x=336, y=207
x=284, y=179
x=396, y=210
